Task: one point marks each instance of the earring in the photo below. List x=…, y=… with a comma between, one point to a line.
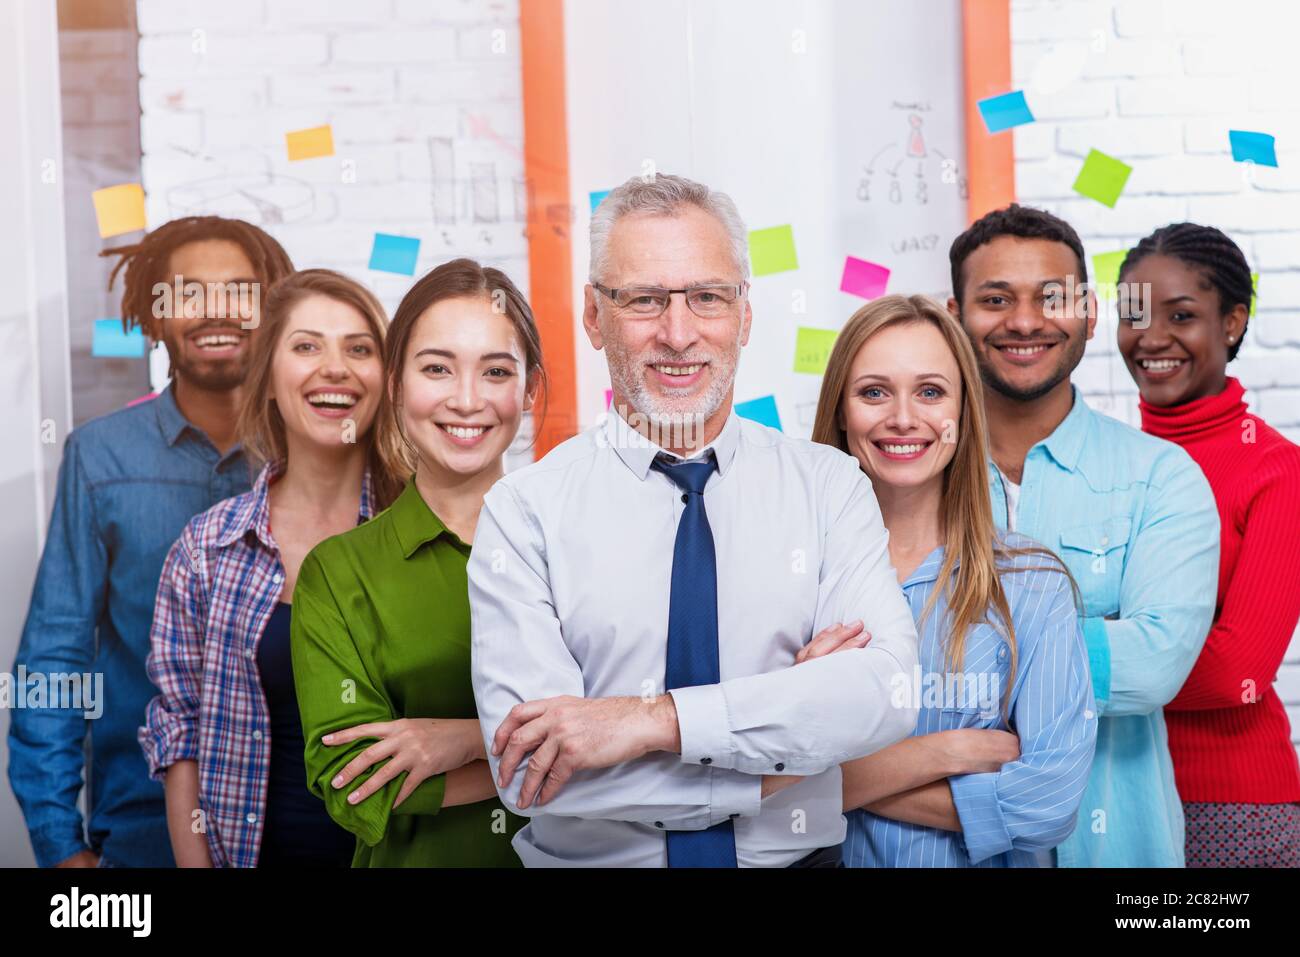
x=1231, y=340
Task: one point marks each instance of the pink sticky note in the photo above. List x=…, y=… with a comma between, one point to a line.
x=609, y=396
x=864, y=279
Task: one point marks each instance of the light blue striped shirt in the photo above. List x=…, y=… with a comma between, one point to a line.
x=1015, y=816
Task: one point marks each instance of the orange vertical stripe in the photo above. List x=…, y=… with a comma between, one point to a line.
x=551, y=218
x=986, y=70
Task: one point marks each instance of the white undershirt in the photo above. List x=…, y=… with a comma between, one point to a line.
x=1013, y=499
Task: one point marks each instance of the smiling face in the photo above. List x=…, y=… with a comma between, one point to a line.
x=204, y=338
x=1027, y=336
x=1182, y=355
x=901, y=407
x=326, y=373
x=464, y=386
x=676, y=364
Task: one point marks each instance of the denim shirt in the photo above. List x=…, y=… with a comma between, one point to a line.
x=128, y=484
x=1134, y=519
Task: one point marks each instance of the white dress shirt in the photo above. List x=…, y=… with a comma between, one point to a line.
x=569, y=583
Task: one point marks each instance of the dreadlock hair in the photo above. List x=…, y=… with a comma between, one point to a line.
x=1208, y=250
x=146, y=262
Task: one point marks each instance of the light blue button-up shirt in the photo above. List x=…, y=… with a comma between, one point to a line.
x=569, y=585
x=1015, y=816
x=1134, y=519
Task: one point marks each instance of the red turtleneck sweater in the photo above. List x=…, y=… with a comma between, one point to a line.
x=1226, y=747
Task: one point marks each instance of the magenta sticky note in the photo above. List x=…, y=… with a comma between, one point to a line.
x=609, y=395
x=862, y=278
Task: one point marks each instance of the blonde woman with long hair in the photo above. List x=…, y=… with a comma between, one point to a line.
x=993, y=774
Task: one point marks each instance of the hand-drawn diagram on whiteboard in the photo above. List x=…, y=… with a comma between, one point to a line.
x=902, y=172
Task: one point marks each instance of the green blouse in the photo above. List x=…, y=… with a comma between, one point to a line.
x=381, y=631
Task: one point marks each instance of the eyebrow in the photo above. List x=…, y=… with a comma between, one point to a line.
x=451, y=355
x=1174, y=299
x=1005, y=284
x=876, y=377
x=321, y=335
x=250, y=280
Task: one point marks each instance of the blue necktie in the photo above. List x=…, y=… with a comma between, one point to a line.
x=693, y=639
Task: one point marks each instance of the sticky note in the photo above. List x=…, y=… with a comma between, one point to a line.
x=812, y=349
x=760, y=410
x=1105, y=272
x=1254, y=289
x=609, y=397
x=862, y=278
x=395, y=253
x=110, y=342
x=772, y=250
x=310, y=143
x=596, y=198
x=1102, y=178
x=1248, y=147
x=1005, y=111
x=119, y=209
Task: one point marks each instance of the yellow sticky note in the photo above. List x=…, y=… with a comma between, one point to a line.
x=1254, y=290
x=812, y=349
x=772, y=250
x=310, y=143
x=1105, y=272
x=119, y=209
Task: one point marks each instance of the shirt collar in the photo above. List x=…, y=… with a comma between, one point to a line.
x=414, y=522
x=253, y=513
x=928, y=570
x=1065, y=444
x=170, y=421
x=638, y=452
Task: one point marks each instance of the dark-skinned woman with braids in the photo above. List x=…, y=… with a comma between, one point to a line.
x=1229, y=737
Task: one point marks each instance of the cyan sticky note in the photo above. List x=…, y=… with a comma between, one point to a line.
x=812, y=349
x=862, y=278
x=761, y=410
x=1005, y=111
x=772, y=250
x=1105, y=272
x=596, y=198
x=110, y=342
x=1102, y=178
x=1248, y=147
x=395, y=254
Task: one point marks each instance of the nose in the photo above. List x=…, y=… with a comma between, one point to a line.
x=1155, y=336
x=333, y=365
x=678, y=328
x=900, y=417
x=465, y=399
x=1027, y=318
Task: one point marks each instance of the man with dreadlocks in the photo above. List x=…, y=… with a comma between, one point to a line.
x=128, y=483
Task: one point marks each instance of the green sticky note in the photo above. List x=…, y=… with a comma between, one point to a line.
x=1254, y=288
x=1102, y=178
x=772, y=250
x=812, y=349
x=1105, y=272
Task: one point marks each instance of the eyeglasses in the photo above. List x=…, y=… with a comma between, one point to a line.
x=650, y=302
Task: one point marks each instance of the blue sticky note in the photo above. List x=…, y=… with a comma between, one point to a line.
x=110, y=342
x=761, y=410
x=395, y=254
x=1005, y=111
x=1252, y=147
x=596, y=198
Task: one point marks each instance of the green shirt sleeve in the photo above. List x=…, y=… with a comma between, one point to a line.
x=336, y=691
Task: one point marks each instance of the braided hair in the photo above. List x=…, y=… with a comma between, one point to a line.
x=1208, y=250
x=146, y=262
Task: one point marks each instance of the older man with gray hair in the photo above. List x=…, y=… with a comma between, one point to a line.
x=639, y=595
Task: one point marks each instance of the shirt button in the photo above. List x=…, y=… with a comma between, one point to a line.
x=659, y=823
x=1087, y=714
x=685, y=497
x=1105, y=539
x=248, y=653
x=277, y=578
x=780, y=765
x=257, y=735
x=251, y=819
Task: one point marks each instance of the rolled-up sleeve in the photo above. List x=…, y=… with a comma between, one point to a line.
x=175, y=660
x=821, y=713
x=519, y=654
x=1032, y=803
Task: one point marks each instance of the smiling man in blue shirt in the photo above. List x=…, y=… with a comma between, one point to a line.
x=128, y=483
x=1131, y=515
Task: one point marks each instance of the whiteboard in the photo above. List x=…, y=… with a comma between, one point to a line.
x=840, y=118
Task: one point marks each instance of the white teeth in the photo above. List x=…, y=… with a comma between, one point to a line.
x=1161, y=365
x=463, y=433
x=679, y=370
x=332, y=398
x=216, y=342
x=1024, y=350
x=901, y=449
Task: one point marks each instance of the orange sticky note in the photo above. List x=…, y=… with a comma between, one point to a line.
x=310, y=143
x=119, y=209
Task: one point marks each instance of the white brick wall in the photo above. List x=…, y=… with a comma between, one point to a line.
x=1158, y=84
x=424, y=99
